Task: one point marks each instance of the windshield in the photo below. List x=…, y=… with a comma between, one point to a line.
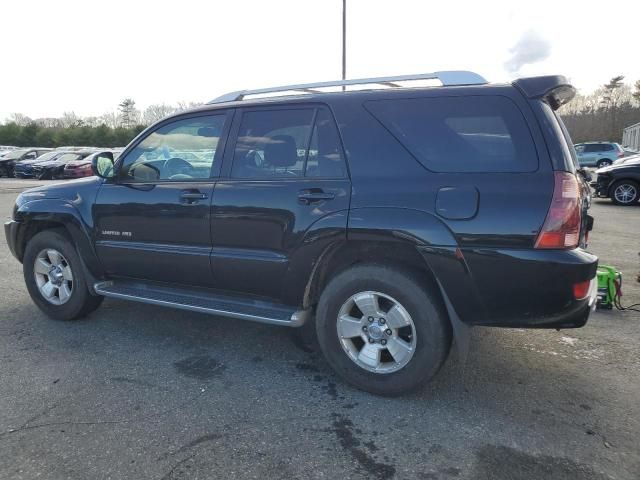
x=15, y=154
x=47, y=156
x=67, y=157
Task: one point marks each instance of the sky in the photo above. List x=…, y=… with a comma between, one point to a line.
x=86, y=56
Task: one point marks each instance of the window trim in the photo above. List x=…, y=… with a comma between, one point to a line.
x=216, y=166
x=227, y=164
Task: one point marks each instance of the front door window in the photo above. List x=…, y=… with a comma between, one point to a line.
x=180, y=151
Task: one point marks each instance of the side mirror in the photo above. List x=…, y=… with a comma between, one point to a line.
x=102, y=165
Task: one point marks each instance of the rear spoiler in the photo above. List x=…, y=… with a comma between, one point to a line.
x=553, y=89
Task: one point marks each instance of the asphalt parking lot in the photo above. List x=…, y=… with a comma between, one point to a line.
x=137, y=391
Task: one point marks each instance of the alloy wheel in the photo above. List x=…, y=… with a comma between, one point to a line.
x=625, y=193
x=53, y=276
x=376, y=332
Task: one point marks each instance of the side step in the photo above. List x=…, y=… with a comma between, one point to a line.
x=204, y=301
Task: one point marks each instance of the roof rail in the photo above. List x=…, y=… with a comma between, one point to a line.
x=453, y=77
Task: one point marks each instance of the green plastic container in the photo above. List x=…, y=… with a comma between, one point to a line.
x=608, y=276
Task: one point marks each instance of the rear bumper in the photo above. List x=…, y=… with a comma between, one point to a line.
x=519, y=288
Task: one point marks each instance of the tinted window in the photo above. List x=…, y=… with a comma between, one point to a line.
x=461, y=134
x=180, y=150
x=325, y=153
x=272, y=143
x=593, y=147
x=607, y=147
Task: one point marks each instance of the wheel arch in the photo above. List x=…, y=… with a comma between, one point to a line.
x=41, y=215
x=411, y=240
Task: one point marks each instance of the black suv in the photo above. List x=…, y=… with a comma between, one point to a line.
x=390, y=217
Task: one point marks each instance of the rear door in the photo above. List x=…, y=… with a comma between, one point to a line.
x=285, y=172
x=591, y=154
x=153, y=220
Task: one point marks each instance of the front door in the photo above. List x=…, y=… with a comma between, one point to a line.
x=285, y=175
x=153, y=219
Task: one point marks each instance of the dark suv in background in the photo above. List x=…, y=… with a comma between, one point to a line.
x=391, y=217
x=11, y=159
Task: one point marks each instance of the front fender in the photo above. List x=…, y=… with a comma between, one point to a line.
x=62, y=212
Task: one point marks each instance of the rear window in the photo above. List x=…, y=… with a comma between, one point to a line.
x=597, y=147
x=460, y=134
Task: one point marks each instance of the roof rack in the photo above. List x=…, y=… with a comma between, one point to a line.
x=448, y=78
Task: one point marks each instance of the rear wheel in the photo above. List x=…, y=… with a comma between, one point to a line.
x=605, y=162
x=624, y=192
x=381, y=330
x=55, y=278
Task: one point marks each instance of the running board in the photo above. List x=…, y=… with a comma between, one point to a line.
x=203, y=301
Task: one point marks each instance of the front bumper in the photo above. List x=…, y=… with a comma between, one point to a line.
x=601, y=185
x=11, y=232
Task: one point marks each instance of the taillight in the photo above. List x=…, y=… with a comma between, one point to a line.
x=581, y=290
x=620, y=154
x=561, y=228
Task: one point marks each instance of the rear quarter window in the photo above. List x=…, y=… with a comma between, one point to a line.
x=460, y=134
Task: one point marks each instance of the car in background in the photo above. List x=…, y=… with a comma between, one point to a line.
x=598, y=154
x=620, y=182
x=4, y=149
x=54, y=168
x=24, y=168
x=82, y=167
x=8, y=162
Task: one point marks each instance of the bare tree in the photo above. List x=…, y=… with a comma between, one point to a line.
x=70, y=119
x=19, y=119
x=187, y=105
x=110, y=119
x=48, y=122
x=636, y=92
x=156, y=112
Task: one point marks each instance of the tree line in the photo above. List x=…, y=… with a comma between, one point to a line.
x=604, y=113
x=600, y=115
x=113, y=129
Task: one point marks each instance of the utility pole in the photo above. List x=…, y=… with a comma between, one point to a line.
x=344, y=41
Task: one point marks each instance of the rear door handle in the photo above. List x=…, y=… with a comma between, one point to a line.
x=192, y=196
x=307, y=197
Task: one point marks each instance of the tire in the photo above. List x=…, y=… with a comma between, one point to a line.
x=605, y=162
x=429, y=334
x=624, y=192
x=76, y=302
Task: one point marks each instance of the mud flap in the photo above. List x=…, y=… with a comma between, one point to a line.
x=461, y=331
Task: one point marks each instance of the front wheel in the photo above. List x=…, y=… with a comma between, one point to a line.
x=55, y=278
x=625, y=192
x=382, y=330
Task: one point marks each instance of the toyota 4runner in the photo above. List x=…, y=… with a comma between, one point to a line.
x=387, y=217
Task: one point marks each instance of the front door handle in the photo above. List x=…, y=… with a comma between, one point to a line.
x=314, y=195
x=192, y=196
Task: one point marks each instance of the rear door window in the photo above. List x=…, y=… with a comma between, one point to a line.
x=283, y=143
x=460, y=134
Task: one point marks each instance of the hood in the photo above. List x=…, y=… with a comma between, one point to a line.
x=77, y=163
x=619, y=166
x=69, y=189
